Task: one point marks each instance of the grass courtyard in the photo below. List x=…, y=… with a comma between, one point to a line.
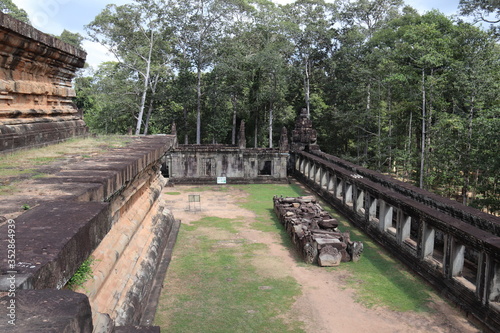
x=235, y=270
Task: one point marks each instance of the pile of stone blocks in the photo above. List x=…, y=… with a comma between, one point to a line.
x=315, y=232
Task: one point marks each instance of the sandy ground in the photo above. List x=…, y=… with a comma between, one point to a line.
x=326, y=303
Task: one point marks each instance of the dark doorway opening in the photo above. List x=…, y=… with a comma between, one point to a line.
x=266, y=169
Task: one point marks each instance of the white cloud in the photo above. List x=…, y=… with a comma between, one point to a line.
x=96, y=53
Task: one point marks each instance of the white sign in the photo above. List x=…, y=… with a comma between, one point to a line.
x=221, y=180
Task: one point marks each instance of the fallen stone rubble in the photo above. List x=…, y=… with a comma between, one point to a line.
x=315, y=232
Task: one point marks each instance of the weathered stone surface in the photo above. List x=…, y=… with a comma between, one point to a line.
x=53, y=239
x=329, y=257
x=315, y=232
x=47, y=310
x=96, y=179
x=304, y=136
x=36, y=71
x=202, y=164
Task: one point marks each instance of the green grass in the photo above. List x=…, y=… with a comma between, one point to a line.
x=381, y=280
x=7, y=172
x=215, y=222
x=8, y=189
x=212, y=286
x=173, y=193
x=260, y=201
x=44, y=160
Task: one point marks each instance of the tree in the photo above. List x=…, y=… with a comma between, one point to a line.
x=476, y=92
x=198, y=25
x=312, y=33
x=481, y=9
x=72, y=38
x=109, y=98
x=8, y=7
x=132, y=33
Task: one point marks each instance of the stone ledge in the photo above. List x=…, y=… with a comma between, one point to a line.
x=36, y=134
x=52, y=240
x=47, y=311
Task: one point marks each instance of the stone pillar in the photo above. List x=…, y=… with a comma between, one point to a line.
x=457, y=258
x=494, y=283
x=348, y=194
x=284, y=140
x=174, y=133
x=331, y=183
x=386, y=211
x=339, y=187
x=427, y=240
x=360, y=199
x=372, y=209
x=404, y=226
x=242, y=141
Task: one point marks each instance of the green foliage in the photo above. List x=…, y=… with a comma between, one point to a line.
x=8, y=7
x=72, y=38
x=482, y=11
x=83, y=273
x=26, y=207
x=368, y=69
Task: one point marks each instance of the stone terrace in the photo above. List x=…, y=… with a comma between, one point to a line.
x=79, y=204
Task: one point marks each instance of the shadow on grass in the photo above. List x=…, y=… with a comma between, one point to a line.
x=381, y=279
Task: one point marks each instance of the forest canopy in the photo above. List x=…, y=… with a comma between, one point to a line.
x=414, y=95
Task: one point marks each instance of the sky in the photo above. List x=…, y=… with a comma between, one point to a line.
x=53, y=16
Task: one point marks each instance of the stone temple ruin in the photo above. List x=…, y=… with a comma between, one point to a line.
x=204, y=164
x=36, y=93
x=110, y=207
x=315, y=232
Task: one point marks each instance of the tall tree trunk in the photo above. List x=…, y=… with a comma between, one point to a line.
x=233, y=134
x=146, y=83
x=422, y=149
x=256, y=131
x=271, y=126
x=307, y=88
x=465, y=188
x=408, y=154
x=186, y=135
x=389, y=111
x=148, y=116
x=198, y=108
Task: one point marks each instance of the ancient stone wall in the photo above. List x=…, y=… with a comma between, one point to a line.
x=203, y=164
x=36, y=92
x=454, y=247
x=110, y=208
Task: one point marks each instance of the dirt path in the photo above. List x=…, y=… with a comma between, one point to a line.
x=326, y=303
